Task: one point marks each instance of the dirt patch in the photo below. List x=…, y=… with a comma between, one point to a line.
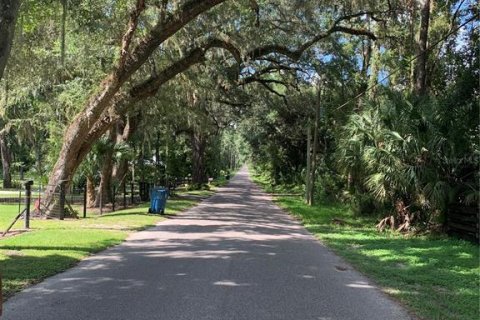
x=13, y=233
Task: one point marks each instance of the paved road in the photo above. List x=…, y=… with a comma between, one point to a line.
x=235, y=256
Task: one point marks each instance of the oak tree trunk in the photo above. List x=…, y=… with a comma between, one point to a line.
x=104, y=194
x=105, y=186
x=309, y=165
x=411, y=45
x=125, y=130
x=90, y=191
x=8, y=17
x=421, y=67
x=119, y=173
x=311, y=191
x=198, y=141
x=6, y=161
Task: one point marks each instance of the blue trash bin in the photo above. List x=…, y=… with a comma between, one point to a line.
x=158, y=200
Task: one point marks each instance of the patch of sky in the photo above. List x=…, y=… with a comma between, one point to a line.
x=468, y=10
x=383, y=77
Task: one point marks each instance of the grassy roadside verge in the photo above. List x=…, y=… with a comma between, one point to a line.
x=222, y=180
x=53, y=246
x=434, y=277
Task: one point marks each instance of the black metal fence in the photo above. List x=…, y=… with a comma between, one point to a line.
x=72, y=202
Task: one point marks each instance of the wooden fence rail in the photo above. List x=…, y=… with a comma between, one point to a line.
x=464, y=222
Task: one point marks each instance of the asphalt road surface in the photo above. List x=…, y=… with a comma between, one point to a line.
x=234, y=256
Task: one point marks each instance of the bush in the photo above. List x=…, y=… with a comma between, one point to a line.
x=197, y=186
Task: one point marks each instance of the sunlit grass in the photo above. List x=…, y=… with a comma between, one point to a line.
x=7, y=213
x=14, y=194
x=435, y=277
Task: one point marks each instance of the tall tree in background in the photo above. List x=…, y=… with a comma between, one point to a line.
x=422, y=53
x=6, y=160
x=8, y=17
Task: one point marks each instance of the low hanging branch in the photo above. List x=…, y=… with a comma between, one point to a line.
x=148, y=88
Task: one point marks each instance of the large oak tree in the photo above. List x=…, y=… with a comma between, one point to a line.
x=112, y=99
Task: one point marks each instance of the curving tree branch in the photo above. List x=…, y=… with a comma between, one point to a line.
x=131, y=27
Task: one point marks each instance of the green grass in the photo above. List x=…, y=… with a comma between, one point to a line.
x=200, y=193
x=435, y=277
x=15, y=194
x=221, y=180
x=7, y=213
x=53, y=246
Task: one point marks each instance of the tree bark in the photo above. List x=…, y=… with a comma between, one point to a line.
x=422, y=53
x=309, y=165
x=364, y=79
x=90, y=191
x=366, y=55
x=374, y=69
x=311, y=196
x=198, y=141
x=105, y=186
x=120, y=168
x=411, y=44
x=8, y=18
x=6, y=161
x=120, y=171
x=125, y=130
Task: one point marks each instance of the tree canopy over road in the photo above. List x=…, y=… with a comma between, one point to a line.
x=361, y=116
x=365, y=102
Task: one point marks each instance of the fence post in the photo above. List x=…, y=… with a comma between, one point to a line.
x=62, y=200
x=28, y=198
x=85, y=201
